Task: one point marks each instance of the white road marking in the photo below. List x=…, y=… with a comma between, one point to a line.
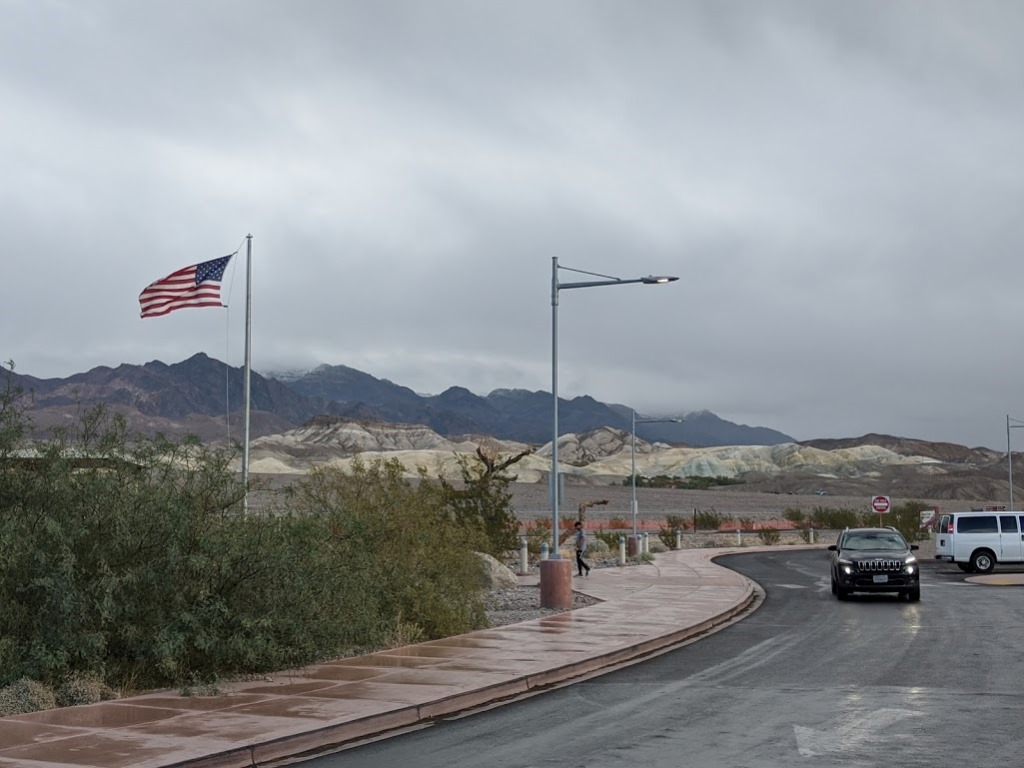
x=851, y=735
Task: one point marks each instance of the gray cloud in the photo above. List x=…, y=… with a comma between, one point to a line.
x=837, y=185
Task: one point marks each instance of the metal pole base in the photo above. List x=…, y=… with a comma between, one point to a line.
x=634, y=545
x=556, y=584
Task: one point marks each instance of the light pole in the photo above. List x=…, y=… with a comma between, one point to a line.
x=632, y=456
x=1009, y=455
x=557, y=286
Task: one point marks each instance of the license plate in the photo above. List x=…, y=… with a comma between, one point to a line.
x=880, y=578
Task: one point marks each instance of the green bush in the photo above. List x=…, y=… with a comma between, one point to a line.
x=134, y=560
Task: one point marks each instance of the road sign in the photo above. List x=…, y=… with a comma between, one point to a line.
x=880, y=504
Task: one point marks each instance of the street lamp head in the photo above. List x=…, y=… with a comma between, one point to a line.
x=657, y=279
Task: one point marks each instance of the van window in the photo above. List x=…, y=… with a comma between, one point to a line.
x=979, y=524
x=1008, y=523
x=944, y=523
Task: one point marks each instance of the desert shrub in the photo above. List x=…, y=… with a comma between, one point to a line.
x=693, y=483
x=537, y=532
x=707, y=520
x=769, y=535
x=795, y=516
x=659, y=546
x=608, y=538
x=25, y=695
x=598, y=547
x=905, y=518
x=833, y=518
x=667, y=532
x=83, y=688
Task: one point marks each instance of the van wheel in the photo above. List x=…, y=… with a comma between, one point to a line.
x=983, y=561
x=964, y=567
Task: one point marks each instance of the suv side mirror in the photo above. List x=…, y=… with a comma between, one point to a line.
x=832, y=547
x=914, y=546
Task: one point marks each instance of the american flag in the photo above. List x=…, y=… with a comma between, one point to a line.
x=195, y=286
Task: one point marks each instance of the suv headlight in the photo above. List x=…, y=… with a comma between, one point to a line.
x=846, y=566
x=910, y=565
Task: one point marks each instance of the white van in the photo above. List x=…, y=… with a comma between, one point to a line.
x=976, y=541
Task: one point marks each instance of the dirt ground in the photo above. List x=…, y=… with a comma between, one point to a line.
x=531, y=501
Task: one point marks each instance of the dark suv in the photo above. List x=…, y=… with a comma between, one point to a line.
x=874, y=560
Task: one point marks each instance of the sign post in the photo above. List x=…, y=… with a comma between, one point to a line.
x=881, y=505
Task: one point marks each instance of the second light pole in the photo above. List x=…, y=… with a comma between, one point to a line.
x=632, y=458
x=1009, y=454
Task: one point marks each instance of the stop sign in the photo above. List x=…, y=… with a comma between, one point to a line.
x=880, y=504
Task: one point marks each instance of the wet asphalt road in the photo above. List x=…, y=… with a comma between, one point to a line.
x=804, y=680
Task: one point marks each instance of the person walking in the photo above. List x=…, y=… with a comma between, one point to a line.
x=581, y=550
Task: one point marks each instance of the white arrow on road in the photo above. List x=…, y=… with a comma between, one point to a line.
x=849, y=735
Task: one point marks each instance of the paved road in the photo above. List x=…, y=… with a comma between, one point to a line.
x=805, y=680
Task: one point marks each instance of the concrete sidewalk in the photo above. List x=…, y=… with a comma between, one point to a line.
x=644, y=608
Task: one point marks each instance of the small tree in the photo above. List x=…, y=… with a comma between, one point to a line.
x=483, y=502
x=667, y=532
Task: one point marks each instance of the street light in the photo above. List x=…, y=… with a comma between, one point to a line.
x=632, y=456
x=1009, y=455
x=557, y=286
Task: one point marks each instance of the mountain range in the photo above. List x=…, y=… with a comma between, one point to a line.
x=334, y=413
x=204, y=396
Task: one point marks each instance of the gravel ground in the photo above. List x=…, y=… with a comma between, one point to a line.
x=510, y=606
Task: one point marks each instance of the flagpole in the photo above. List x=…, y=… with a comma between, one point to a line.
x=248, y=369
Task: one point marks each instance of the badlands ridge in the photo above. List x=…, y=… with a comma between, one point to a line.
x=600, y=457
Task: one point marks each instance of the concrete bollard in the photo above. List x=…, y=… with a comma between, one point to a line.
x=544, y=551
x=811, y=539
x=739, y=537
x=622, y=550
x=679, y=539
x=647, y=543
x=524, y=556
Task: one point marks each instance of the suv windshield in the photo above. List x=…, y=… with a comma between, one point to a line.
x=876, y=541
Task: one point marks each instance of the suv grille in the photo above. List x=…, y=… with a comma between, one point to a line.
x=879, y=566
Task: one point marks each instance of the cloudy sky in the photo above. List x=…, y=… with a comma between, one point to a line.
x=839, y=187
